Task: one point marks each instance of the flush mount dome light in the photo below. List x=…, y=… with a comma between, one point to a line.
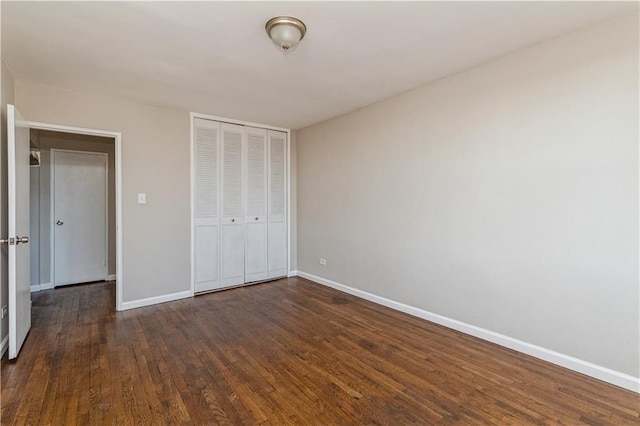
x=285, y=31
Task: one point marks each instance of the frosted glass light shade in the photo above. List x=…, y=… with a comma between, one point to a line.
x=285, y=36
x=285, y=31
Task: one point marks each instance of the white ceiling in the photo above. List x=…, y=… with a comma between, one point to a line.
x=216, y=58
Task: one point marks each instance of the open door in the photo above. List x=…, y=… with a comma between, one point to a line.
x=18, y=148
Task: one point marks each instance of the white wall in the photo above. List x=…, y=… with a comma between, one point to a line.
x=505, y=196
x=155, y=160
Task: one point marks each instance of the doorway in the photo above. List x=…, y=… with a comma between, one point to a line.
x=77, y=178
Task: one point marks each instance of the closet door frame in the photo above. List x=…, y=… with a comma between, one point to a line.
x=192, y=117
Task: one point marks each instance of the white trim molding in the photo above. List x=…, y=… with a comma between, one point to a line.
x=593, y=370
x=111, y=277
x=288, y=203
x=43, y=286
x=156, y=299
x=234, y=121
x=293, y=274
x=4, y=345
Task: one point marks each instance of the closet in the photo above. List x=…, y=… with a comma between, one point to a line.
x=240, y=204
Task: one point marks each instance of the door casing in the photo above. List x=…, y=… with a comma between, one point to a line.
x=117, y=136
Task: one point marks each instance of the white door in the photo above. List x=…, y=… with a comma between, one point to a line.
x=18, y=191
x=79, y=215
x=206, y=226
x=277, y=229
x=231, y=221
x=256, y=205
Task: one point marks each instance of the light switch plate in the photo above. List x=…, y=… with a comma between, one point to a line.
x=142, y=198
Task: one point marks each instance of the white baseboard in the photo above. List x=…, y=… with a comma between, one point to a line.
x=292, y=274
x=4, y=345
x=593, y=370
x=156, y=299
x=43, y=286
x=111, y=277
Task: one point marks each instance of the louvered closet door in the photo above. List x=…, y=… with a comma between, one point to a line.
x=277, y=201
x=206, y=205
x=232, y=216
x=256, y=205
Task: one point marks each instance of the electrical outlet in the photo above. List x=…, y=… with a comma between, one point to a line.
x=4, y=312
x=323, y=262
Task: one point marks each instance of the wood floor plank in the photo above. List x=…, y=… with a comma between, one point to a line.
x=285, y=352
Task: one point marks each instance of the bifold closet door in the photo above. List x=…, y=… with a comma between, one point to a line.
x=206, y=157
x=277, y=201
x=256, y=205
x=232, y=216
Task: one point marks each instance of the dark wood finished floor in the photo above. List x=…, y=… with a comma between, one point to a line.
x=286, y=352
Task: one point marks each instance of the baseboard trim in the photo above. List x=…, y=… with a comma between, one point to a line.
x=593, y=370
x=111, y=277
x=155, y=300
x=292, y=274
x=4, y=345
x=37, y=287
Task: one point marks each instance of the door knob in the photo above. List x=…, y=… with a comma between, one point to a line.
x=256, y=218
x=23, y=240
x=233, y=220
x=59, y=222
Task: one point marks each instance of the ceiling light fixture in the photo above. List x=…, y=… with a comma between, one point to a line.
x=285, y=31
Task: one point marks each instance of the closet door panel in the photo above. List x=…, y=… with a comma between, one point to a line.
x=206, y=257
x=256, y=205
x=256, y=257
x=206, y=205
x=231, y=223
x=232, y=253
x=277, y=203
x=278, y=249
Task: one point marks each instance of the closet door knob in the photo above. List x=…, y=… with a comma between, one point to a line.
x=233, y=220
x=256, y=218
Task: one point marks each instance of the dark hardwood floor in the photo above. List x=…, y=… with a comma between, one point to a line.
x=286, y=352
